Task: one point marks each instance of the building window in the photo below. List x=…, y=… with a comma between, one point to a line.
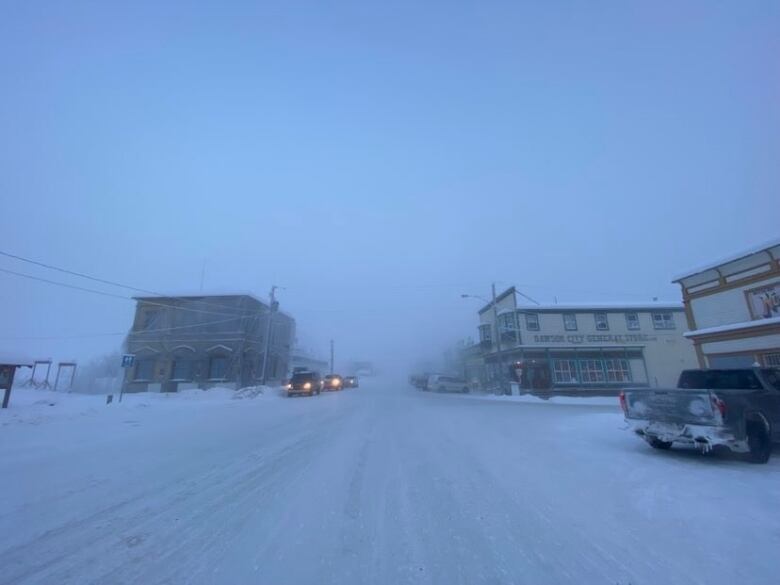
x=663, y=321
x=632, y=321
x=570, y=321
x=217, y=368
x=772, y=360
x=532, y=321
x=151, y=318
x=485, y=335
x=508, y=327
x=591, y=371
x=182, y=370
x=617, y=370
x=565, y=372
x=602, y=324
x=144, y=370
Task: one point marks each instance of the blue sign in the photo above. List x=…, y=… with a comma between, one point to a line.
x=127, y=360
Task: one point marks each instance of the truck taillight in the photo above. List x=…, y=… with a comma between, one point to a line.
x=623, y=404
x=720, y=405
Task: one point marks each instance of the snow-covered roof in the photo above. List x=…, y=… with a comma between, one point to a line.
x=616, y=306
x=734, y=327
x=210, y=294
x=757, y=249
x=203, y=294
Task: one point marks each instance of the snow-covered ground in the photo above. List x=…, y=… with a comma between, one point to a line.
x=381, y=484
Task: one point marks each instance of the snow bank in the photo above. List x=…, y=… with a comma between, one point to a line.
x=32, y=406
x=570, y=400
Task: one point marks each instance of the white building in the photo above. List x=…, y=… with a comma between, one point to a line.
x=733, y=308
x=586, y=345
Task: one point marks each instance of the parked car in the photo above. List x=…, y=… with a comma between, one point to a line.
x=419, y=381
x=351, y=382
x=441, y=383
x=304, y=382
x=735, y=408
x=333, y=382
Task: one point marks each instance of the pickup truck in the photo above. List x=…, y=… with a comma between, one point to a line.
x=735, y=408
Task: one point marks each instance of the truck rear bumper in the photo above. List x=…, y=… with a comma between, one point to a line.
x=703, y=437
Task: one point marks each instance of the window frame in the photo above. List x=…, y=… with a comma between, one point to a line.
x=636, y=321
x=664, y=324
x=224, y=377
x=573, y=317
x=485, y=333
x=571, y=369
x=138, y=362
x=586, y=373
x=182, y=360
x=617, y=368
x=532, y=318
x=597, y=316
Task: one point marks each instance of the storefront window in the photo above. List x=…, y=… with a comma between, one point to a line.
x=617, y=370
x=772, y=360
x=591, y=371
x=565, y=372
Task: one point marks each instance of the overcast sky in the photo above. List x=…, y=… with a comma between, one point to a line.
x=377, y=159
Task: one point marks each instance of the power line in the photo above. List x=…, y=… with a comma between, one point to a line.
x=65, y=285
x=97, y=279
x=130, y=333
x=112, y=295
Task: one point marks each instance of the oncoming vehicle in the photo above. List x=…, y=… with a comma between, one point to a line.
x=304, y=382
x=351, y=382
x=441, y=383
x=333, y=382
x=735, y=408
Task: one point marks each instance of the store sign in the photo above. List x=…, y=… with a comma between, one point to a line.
x=765, y=301
x=577, y=339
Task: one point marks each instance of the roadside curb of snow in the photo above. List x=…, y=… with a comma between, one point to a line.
x=557, y=400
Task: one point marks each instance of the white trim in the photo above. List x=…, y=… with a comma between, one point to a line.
x=733, y=327
x=604, y=307
x=147, y=348
x=192, y=349
x=764, y=247
x=219, y=346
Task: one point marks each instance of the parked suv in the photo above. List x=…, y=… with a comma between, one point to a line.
x=440, y=383
x=306, y=382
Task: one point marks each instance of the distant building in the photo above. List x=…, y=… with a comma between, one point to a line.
x=585, y=345
x=200, y=341
x=733, y=308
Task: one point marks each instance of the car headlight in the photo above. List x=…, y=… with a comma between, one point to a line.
x=289, y=386
x=336, y=382
x=307, y=385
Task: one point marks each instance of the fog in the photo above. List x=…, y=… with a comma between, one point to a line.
x=375, y=161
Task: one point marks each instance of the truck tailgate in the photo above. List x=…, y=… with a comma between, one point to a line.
x=672, y=405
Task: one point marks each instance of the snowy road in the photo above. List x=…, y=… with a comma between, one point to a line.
x=381, y=484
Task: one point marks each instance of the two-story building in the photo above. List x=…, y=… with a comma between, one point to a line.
x=200, y=341
x=733, y=308
x=585, y=345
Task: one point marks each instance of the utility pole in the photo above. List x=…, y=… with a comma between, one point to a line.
x=331, y=356
x=498, y=341
x=271, y=309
